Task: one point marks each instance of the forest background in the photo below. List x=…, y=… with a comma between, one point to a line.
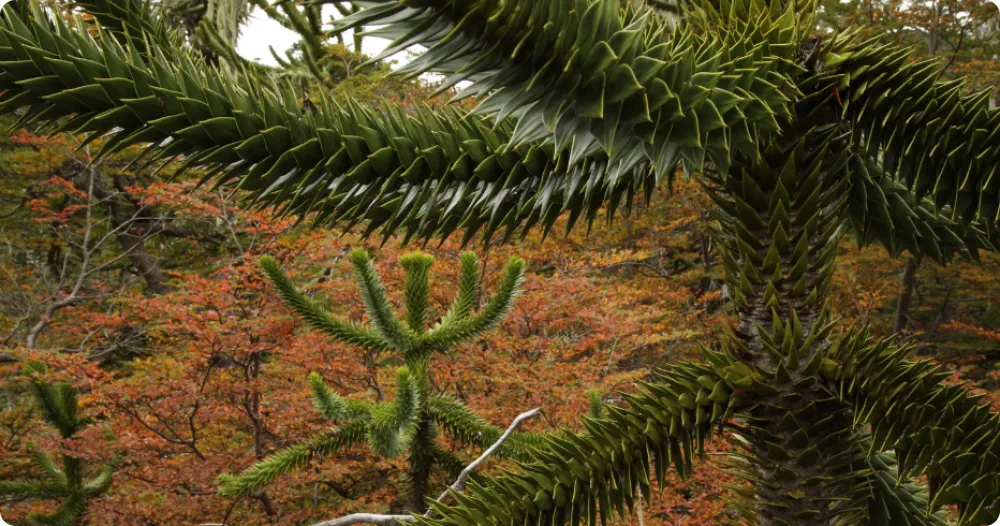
x=143, y=290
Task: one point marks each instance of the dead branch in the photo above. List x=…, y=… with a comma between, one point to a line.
x=457, y=487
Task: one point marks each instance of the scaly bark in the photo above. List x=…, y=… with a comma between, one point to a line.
x=781, y=219
x=423, y=443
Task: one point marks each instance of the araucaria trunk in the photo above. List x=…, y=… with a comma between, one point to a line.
x=424, y=437
x=781, y=218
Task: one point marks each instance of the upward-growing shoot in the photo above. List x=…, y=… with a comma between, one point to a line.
x=409, y=423
x=65, y=480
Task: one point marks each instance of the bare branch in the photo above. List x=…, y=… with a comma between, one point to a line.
x=369, y=518
x=73, y=296
x=457, y=487
x=463, y=477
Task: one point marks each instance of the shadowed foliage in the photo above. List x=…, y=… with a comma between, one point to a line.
x=58, y=405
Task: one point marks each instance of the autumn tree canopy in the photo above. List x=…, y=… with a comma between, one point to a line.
x=802, y=132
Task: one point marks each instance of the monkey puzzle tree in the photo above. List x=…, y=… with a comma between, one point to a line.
x=412, y=420
x=801, y=139
x=58, y=405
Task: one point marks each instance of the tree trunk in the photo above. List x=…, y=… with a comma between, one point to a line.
x=945, y=304
x=905, y=296
x=133, y=243
x=422, y=450
x=778, y=265
x=421, y=462
x=146, y=265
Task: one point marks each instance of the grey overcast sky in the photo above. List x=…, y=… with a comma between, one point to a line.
x=261, y=32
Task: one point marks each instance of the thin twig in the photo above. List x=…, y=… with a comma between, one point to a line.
x=639, y=513
x=463, y=477
x=457, y=487
x=369, y=518
x=85, y=251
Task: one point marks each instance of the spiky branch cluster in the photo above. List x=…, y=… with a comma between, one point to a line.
x=937, y=430
x=58, y=405
x=411, y=420
x=430, y=173
x=595, y=474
